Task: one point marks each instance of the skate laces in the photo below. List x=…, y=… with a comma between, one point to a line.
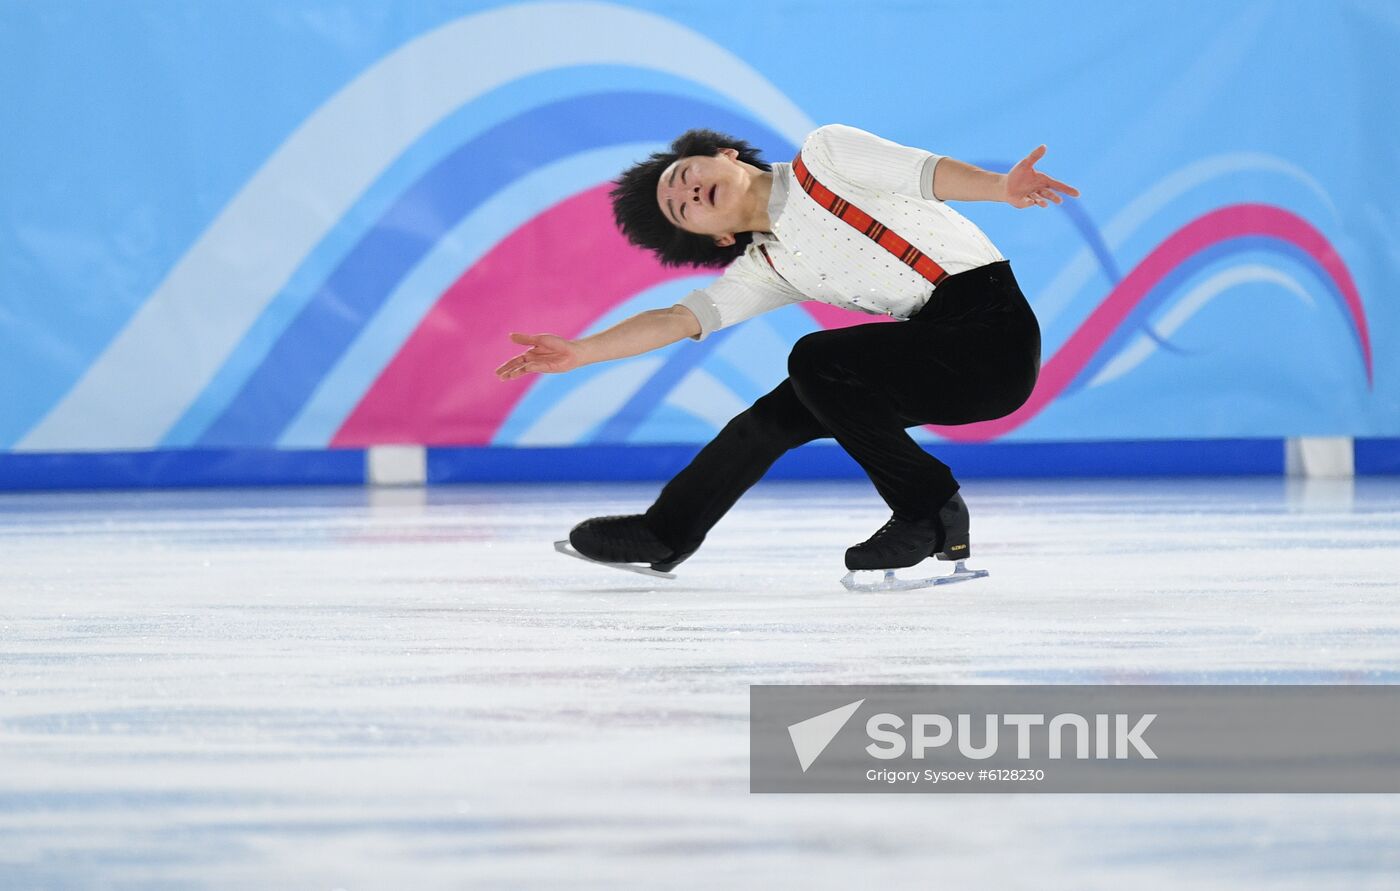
x=627, y=538
x=630, y=530
x=880, y=533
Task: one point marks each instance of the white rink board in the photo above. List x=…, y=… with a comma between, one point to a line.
x=409, y=689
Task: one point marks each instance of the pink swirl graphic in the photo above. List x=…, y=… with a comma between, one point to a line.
x=1235, y=221
x=439, y=388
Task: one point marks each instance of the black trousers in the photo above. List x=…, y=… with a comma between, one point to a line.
x=971, y=354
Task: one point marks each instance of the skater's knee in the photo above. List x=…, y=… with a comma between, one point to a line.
x=757, y=426
x=778, y=421
x=811, y=356
x=772, y=425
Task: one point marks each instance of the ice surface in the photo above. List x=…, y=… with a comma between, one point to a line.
x=411, y=689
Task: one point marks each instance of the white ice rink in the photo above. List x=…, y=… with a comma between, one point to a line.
x=408, y=689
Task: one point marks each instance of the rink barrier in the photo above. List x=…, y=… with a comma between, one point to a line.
x=1205, y=457
x=195, y=468
x=180, y=468
x=1377, y=456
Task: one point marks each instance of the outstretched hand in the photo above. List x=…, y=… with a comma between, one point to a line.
x=547, y=353
x=1026, y=186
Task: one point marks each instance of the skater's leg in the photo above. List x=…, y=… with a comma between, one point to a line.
x=847, y=378
x=972, y=355
x=697, y=497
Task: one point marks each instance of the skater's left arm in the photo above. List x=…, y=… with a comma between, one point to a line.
x=641, y=333
x=877, y=163
x=1023, y=186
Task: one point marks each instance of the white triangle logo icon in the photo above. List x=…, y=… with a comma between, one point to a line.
x=811, y=737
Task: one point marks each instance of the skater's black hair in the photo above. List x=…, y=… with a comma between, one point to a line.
x=640, y=218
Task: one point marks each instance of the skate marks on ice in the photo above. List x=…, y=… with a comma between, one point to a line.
x=403, y=689
x=567, y=549
x=875, y=581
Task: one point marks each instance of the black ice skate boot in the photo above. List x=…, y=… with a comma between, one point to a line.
x=624, y=540
x=900, y=543
x=957, y=537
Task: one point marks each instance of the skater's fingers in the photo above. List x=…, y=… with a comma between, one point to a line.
x=514, y=368
x=1069, y=190
x=525, y=339
x=510, y=363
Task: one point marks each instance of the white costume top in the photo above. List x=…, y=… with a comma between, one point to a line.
x=816, y=256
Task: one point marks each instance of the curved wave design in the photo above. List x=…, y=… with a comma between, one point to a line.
x=460, y=248
x=1121, y=316
x=570, y=408
x=360, y=287
x=439, y=388
x=1200, y=242
x=421, y=217
x=1056, y=295
x=235, y=268
x=508, y=208
x=1186, y=308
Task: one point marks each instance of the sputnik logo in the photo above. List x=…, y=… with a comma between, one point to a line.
x=811, y=737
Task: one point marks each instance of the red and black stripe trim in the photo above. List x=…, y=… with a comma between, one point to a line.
x=876, y=231
x=764, y=251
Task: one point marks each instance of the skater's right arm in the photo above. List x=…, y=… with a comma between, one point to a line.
x=646, y=331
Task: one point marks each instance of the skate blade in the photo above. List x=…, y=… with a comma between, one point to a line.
x=564, y=547
x=876, y=580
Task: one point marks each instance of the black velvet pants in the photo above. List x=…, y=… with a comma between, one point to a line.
x=971, y=354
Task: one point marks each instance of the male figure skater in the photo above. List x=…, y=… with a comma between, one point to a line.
x=855, y=221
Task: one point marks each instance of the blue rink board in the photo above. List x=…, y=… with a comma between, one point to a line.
x=195, y=468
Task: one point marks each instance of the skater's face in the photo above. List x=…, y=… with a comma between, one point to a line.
x=706, y=195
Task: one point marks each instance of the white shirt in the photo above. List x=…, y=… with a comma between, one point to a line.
x=817, y=256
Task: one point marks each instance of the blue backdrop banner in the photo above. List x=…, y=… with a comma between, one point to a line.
x=302, y=225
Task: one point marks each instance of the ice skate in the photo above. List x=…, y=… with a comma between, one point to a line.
x=622, y=543
x=900, y=544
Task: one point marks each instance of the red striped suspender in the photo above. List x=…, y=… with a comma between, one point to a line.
x=764, y=251
x=867, y=225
